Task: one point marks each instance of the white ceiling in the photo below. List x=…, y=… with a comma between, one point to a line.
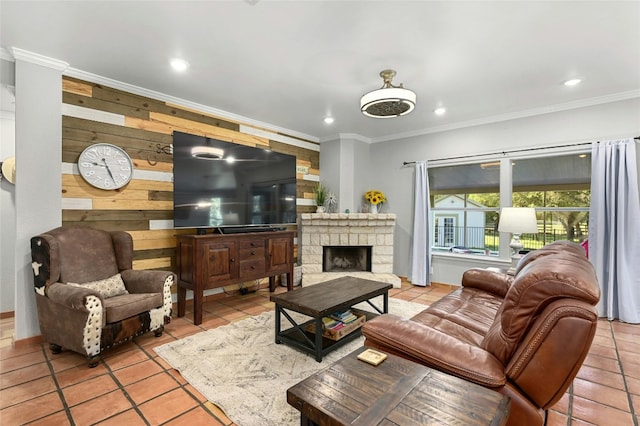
x=288, y=64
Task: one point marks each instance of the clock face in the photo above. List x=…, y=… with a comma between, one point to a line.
x=105, y=166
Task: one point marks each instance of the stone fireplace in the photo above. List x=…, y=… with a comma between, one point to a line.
x=339, y=244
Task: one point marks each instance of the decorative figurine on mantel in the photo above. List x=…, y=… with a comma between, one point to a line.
x=332, y=202
x=376, y=199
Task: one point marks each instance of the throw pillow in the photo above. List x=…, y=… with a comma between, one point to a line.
x=109, y=287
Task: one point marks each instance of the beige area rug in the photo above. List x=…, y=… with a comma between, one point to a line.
x=239, y=367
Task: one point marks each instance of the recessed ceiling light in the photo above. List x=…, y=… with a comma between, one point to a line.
x=328, y=120
x=179, y=64
x=572, y=82
x=439, y=111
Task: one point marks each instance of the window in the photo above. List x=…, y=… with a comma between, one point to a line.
x=464, y=205
x=465, y=201
x=559, y=189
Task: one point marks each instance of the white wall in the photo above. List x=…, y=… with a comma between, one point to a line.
x=7, y=214
x=38, y=173
x=386, y=172
x=330, y=167
x=340, y=160
x=7, y=190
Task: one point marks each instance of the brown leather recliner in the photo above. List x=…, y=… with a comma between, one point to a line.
x=88, y=296
x=524, y=336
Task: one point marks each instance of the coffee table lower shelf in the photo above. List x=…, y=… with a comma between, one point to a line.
x=302, y=338
x=318, y=301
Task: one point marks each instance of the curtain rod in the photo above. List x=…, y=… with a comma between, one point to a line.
x=507, y=152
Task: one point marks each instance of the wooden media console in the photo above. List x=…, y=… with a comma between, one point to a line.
x=212, y=261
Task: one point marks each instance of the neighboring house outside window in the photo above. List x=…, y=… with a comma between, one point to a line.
x=451, y=218
x=465, y=201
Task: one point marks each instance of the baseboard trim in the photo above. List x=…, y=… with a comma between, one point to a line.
x=449, y=286
x=10, y=314
x=29, y=341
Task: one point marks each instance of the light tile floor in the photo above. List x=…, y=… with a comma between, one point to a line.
x=133, y=386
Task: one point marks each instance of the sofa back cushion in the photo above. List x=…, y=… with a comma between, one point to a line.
x=540, y=282
x=560, y=246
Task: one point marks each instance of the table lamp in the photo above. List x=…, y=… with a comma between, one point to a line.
x=518, y=220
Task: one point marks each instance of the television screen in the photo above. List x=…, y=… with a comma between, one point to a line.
x=222, y=184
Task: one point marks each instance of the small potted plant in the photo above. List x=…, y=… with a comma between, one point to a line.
x=321, y=197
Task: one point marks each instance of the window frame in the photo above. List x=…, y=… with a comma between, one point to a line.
x=505, y=189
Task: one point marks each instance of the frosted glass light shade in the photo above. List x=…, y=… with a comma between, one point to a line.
x=207, y=152
x=388, y=102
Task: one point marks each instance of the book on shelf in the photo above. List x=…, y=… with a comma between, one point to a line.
x=328, y=322
x=337, y=326
x=336, y=330
x=336, y=322
x=344, y=316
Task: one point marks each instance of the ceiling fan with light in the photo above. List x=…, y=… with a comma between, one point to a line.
x=389, y=101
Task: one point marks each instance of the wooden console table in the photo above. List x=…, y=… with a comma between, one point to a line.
x=216, y=260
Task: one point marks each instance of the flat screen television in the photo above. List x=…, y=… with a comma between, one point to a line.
x=219, y=184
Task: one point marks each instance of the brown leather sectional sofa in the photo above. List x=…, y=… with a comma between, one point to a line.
x=525, y=336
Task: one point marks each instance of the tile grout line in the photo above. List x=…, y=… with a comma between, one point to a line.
x=569, y=405
x=624, y=378
x=180, y=385
x=126, y=395
x=65, y=405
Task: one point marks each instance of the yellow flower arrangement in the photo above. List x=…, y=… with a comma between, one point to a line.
x=375, y=197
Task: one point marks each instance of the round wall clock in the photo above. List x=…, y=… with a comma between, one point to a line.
x=105, y=166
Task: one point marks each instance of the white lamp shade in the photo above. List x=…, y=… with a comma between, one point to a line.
x=518, y=220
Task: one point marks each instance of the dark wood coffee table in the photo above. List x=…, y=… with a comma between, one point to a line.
x=398, y=391
x=322, y=300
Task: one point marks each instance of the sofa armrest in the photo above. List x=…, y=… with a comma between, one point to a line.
x=143, y=281
x=71, y=296
x=435, y=349
x=494, y=282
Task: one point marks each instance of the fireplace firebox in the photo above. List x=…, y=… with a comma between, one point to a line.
x=346, y=258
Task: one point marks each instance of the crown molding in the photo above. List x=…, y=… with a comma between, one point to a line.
x=354, y=136
x=249, y=130
x=35, y=58
x=615, y=97
x=137, y=90
x=343, y=136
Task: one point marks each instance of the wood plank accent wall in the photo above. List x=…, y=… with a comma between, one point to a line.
x=143, y=126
